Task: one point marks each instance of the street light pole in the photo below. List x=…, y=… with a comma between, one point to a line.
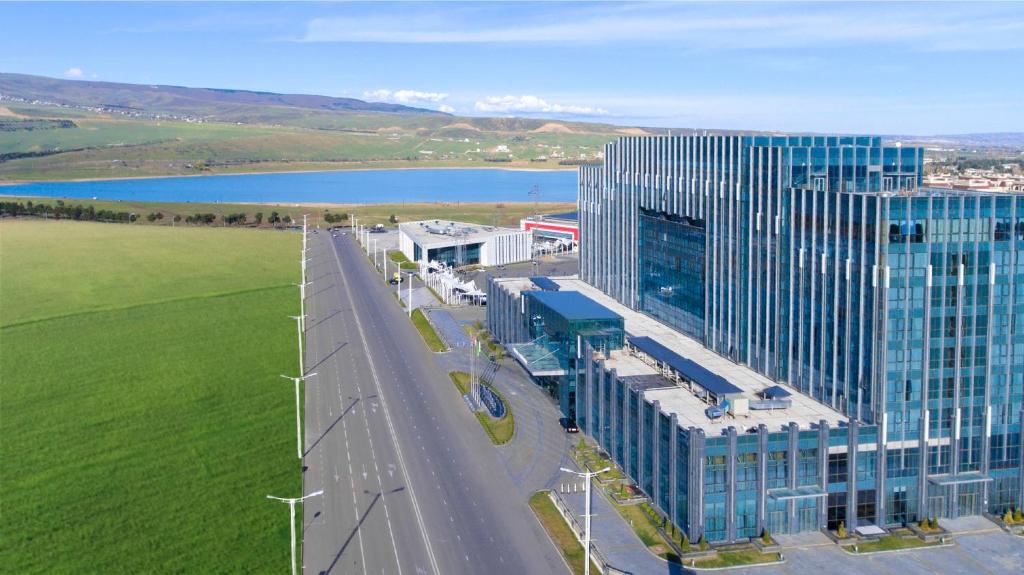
x=291, y=506
x=298, y=416
x=587, y=475
x=299, y=320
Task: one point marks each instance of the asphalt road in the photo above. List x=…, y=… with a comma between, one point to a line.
x=411, y=485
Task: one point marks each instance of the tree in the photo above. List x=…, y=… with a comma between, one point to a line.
x=151, y=217
x=1008, y=517
x=274, y=218
x=766, y=537
x=393, y=219
x=177, y=217
x=258, y=217
x=1018, y=515
x=287, y=219
x=841, y=531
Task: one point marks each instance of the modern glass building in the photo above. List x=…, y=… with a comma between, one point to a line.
x=817, y=264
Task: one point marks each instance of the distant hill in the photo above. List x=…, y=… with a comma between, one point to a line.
x=53, y=129
x=177, y=100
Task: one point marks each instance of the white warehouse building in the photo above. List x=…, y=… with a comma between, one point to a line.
x=459, y=244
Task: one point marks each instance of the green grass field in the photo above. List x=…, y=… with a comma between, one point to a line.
x=143, y=419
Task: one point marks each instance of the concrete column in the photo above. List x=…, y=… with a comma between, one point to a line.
x=673, y=467
x=641, y=451
x=627, y=440
x=793, y=460
x=598, y=432
x=730, y=484
x=695, y=489
x=762, y=476
x=823, y=471
x=614, y=410
x=851, y=476
x=656, y=452
x=922, y=465
x=1020, y=457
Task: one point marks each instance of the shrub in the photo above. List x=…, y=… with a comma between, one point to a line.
x=934, y=523
x=703, y=543
x=923, y=523
x=685, y=543
x=841, y=531
x=1008, y=517
x=766, y=537
x=1018, y=515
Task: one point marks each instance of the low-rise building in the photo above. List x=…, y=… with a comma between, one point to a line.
x=458, y=243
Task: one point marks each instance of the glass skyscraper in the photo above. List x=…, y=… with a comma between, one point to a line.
x=821, y=263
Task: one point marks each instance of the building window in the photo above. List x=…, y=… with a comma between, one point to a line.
x=836, y=510
x=807, y=467
x=837, y=472
x=714, y=474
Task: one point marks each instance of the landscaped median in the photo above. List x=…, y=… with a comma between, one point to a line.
x=430, y=337
x=402, y=261
x=499, y=430
x=559, y=532
x=898, y=540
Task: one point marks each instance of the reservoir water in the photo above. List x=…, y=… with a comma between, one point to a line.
x=357, y=187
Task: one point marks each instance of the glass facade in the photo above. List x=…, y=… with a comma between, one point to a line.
x=820, y=262
x=672, y=252
x=564, y=333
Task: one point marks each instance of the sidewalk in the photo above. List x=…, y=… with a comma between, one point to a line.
x=616, y=539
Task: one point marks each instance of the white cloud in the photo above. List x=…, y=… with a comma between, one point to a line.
x=447, y=109
x=528, y=104
x=405, y=97
x=74, y=73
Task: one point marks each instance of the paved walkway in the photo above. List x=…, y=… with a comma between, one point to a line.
x=449, y=329
x=615, y=538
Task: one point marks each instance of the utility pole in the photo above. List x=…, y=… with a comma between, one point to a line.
x=588, y=476
x=298, y=416
x=291, y=506
x=410, y=295
x=299, y=320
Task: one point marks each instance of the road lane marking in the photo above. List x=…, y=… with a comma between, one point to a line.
x=387, y=417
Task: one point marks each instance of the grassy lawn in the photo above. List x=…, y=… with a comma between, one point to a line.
x=426, y=330
x=590, y=457
x=889, y=543
x=559, y=532
x=403, y=262
x=499, y=430
x=143, y=420
x=736, y=559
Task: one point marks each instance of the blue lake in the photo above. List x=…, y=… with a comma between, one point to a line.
x=358, y=187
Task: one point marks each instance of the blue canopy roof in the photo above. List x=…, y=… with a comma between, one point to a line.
x=573, y=305
x=544, y=283
x=575, y=216
x=687, y=368
x=776, y=392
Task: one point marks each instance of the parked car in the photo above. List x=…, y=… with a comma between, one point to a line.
x=569, y=425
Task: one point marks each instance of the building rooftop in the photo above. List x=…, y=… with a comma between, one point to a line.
x=686, y=402
x=573, y=305
x=448, y=232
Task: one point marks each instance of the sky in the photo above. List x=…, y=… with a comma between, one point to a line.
x=887, y=68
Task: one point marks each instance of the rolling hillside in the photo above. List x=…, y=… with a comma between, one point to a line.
x=61, y=129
